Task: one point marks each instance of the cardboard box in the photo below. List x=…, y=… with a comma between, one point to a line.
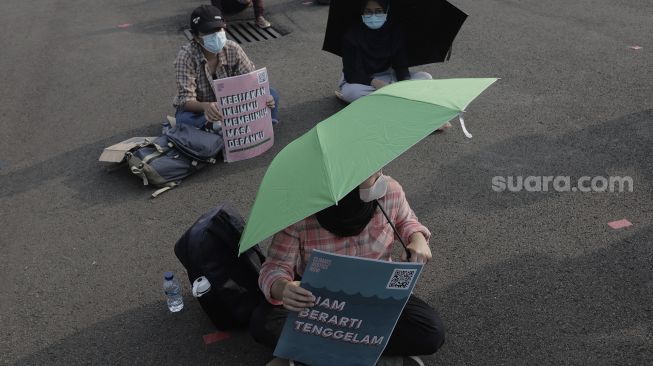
x=116, y=153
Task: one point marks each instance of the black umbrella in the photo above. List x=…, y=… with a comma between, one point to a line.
x=430, y=26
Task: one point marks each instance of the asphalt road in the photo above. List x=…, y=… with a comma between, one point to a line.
x=519, y=277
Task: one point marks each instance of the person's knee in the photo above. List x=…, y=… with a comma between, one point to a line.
x=193, y=119
x=257, y=323
x=257, y=331
x=434, y=342
x=433, y=337
x=351, y=92
x=275, y=95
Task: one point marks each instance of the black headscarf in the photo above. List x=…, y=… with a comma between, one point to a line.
x=384, y=4
x=369, y=51
x=376, y=43
x=349, y=217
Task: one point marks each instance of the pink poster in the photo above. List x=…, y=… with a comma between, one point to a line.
x=247, y=124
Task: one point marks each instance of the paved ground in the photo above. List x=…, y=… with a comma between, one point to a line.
x=519, y=278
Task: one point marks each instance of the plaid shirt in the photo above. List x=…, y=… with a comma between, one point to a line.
x=194, y=81
x=375, y=241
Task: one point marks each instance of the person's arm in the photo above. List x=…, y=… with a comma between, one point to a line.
x=186, y=79
x=210, y=109
x=419, y=249
x=292, y=295
x=400, y=57
x=277, y=273
x=402, y=73
x=412, y=232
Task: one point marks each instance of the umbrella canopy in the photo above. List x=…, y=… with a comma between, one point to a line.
x=319, y=168
x=430, y=26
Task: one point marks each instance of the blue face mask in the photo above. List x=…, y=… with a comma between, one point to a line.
x=214, y=42
x=374, y=21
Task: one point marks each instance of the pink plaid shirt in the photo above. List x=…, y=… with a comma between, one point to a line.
x=375, y=241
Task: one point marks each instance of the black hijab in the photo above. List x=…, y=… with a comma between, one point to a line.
x=376, y=49
x=349, y=217
x=384, y=4
x=375, y=43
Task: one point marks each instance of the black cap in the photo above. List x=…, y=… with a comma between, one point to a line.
x=206, y=18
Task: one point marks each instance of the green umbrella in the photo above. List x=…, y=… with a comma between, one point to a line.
x=319, y=168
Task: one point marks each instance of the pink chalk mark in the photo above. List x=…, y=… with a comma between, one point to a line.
x=124, y=25
x=620, y=224
x=215, y=337
x=636, y=47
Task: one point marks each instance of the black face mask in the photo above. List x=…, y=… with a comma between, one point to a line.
x=349, y=217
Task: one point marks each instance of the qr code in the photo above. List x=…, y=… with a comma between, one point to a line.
x=262, y=77
x=401, y=279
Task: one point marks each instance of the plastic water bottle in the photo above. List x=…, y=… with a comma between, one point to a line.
x=173, y=292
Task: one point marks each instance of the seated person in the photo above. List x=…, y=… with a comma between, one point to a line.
x=353, y=227
x=209, y=56
x=373, y=54
x=236, y=6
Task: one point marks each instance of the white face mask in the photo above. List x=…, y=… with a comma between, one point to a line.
x=376, y=191
x=374, y=21
x=215, y=42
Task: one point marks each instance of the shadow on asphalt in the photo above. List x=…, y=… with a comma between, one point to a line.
x=151, y=335
x=80, y=171
x=533, y=309
x=505, y=314
x=605, y=149
x=595, y=151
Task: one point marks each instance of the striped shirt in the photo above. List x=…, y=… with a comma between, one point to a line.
x=194, y=81
x=375, y=241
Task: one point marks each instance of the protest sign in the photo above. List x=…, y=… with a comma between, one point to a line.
x=358, y=303
x=247, y=124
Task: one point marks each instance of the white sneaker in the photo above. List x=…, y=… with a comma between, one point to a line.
x=262, y=22
x=339, y=95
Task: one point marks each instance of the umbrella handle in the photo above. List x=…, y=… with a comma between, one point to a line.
x=462, y=124
x=394, y=229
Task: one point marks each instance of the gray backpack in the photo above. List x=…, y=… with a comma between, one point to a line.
x=165, y=161
x=197, y=144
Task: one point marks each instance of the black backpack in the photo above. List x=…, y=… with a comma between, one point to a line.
x=210, y=248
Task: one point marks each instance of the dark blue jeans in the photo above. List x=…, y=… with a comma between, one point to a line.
x=199, y=120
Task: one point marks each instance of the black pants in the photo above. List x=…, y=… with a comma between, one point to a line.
x=419, y=331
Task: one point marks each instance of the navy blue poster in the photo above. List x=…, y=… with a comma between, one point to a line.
x=358, y=302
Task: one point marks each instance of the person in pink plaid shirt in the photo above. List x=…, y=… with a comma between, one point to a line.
x=354, y=227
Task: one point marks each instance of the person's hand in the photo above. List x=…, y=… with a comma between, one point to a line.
x=378, y=84
x=212, y=112
x=270, y=103
x=418, y=248
x=296, y=298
